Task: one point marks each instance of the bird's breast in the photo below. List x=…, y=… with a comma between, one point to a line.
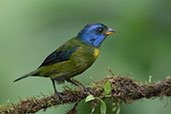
x=87, y=57
x=96, y=52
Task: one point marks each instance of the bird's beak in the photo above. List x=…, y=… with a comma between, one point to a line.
x=110, y=31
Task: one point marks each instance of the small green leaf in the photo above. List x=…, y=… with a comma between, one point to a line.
x=102, y=107
x=118, y=110
x=150, y=78
x=114, y=109
x=107, y=88
x=108, y=96
x=89, y=98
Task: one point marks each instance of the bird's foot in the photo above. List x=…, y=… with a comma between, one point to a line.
x=60, y=95
x=87, y=89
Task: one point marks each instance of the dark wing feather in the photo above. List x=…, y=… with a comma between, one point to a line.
x=58, y=56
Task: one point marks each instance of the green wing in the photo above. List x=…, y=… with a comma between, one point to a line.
x=61, y=54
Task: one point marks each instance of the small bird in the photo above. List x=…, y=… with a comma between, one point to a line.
x=74, y=56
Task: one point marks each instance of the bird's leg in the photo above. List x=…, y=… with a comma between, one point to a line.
x=78, y=84
x=56, y=92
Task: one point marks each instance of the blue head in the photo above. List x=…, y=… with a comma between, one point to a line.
x=94, y=34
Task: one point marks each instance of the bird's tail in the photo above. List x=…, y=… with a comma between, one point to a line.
x=25, y=76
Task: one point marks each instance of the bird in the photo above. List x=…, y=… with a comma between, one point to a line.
x=73, y=57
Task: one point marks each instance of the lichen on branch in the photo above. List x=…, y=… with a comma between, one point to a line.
x=123, y=89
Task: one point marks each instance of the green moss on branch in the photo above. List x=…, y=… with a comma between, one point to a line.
x=123, y=89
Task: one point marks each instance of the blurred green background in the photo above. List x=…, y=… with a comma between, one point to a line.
x=32, y=29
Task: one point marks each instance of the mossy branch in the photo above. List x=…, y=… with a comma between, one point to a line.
x=123, y=89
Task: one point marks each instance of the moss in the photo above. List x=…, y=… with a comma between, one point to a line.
x=123, y=89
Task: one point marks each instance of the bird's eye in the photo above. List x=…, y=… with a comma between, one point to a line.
x=100, y=30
